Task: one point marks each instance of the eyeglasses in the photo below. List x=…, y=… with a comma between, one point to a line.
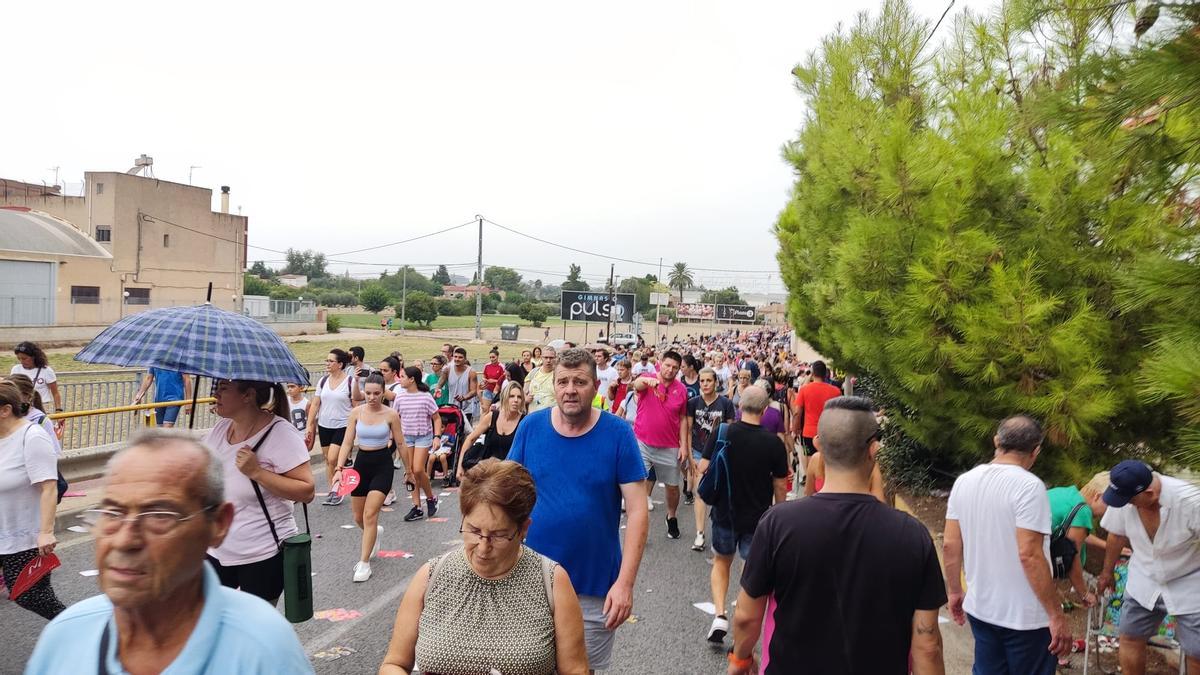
x=107, y=522
x=474, y=536
x=877, y=436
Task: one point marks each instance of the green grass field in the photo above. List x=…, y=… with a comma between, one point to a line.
x=364, y=320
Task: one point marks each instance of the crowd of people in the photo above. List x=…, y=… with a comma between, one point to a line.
x=559, y=454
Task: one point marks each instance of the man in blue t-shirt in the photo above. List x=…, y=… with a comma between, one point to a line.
x=583, y=462
x=169, y=385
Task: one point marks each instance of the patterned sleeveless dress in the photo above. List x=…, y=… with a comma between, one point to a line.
x=471, y=625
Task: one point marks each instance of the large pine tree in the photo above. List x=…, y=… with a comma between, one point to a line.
x=960, y=226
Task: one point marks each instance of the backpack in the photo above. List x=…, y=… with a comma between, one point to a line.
x=349, y=387
x=63, y=486
x=715, y=488
x=1062, y=549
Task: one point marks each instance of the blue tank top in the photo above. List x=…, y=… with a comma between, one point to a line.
x=372, y=435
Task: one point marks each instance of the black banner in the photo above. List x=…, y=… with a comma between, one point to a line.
x=736, y=313
x=595, y=307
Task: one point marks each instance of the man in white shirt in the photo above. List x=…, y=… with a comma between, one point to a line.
x=643, y=365
x=605, y=372
x=1159, y=517
x=997, y=522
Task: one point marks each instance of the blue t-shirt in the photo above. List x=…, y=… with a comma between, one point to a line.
x=236, y=633
x=577, y=517
x=168, y=385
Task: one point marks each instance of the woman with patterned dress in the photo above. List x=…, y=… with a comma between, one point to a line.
x=492, y=605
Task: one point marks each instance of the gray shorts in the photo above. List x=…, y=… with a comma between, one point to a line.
x=665, y=462
x=599, y=640
x=1139, y=622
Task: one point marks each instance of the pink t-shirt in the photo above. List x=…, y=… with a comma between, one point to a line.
x=657, y=422
x=249, y=539
x=416, y=411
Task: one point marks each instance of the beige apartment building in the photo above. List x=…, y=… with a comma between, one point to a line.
x=70, y=266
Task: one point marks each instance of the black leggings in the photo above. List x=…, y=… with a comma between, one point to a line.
x=263, y=578
x=40, y=598
x=375, y=471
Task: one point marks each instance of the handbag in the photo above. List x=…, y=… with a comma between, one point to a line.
x=1062, y=549
x=297, y=558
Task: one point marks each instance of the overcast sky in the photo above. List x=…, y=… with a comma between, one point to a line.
x=633, y=129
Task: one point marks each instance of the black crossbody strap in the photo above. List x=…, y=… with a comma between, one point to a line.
x=1062, y=529
x=102, y=668
x=258, y=490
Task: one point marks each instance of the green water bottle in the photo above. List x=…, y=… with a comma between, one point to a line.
x=297, y=578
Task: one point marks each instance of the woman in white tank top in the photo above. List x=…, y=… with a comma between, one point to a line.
x=336, y=394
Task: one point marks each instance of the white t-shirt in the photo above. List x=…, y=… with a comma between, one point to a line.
x=606, y=377
x=299, y=412
x=26, y=460
x=249, y=539
x=336, y=403
x=647, y=367
x=723, y=375
x=39, y=418
x=990, y=502
x=41, y=382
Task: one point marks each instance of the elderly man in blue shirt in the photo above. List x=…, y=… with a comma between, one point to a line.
x=163, y=609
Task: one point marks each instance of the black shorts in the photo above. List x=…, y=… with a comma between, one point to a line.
x=375, y=472
x=331, y=436
x=263, y=578
x=809, y=448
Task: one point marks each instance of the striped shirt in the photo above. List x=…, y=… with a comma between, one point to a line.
x=415, y=409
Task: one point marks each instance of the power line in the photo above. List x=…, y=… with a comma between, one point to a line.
x=405, y=241
x=156, y=219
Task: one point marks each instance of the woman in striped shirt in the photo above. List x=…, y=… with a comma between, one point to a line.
x=422, y=429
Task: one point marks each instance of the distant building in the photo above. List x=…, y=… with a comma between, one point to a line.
x=774, y=314
x=76, y=264
x=456, y=291
x=293, y=280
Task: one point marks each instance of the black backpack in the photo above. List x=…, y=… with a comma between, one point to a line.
x=1062, y=549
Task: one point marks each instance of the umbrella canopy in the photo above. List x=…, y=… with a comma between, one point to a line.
x=200, y=340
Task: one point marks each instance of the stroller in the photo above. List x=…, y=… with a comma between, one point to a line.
x=1102, y=633
x=454, y=432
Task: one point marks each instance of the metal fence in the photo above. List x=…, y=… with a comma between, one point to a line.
x=113, y=388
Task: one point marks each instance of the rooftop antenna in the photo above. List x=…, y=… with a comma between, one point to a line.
x=55, y=168
x=190, y=170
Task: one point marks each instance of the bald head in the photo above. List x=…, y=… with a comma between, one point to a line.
x=753, y=400
x=845, y=431
x=1019, y=433
x=195, y=464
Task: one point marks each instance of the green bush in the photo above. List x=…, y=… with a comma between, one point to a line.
x=533, y=312
x=333, y=324
x=507, y=307
x=374, y=298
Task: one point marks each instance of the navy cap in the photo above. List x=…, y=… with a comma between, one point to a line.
x=1127, y=480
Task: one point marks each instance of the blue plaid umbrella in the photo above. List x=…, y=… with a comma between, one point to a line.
x=200, y=340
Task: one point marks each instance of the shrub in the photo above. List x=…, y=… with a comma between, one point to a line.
x=333, y=324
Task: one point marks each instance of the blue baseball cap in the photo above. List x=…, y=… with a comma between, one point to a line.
x=1127, y=480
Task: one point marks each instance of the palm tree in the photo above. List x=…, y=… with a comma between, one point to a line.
x=680, y=278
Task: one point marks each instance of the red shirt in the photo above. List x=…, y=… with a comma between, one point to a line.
x=494, y=371
x=811, y=401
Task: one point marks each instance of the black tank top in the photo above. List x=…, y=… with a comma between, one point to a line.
x=496, y=444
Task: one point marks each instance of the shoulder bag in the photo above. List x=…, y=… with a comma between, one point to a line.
x=1062, y=549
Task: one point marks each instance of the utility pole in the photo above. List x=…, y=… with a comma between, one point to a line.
x=611, y=269
x=657, y=305
x=404, y=300
x=479, y=286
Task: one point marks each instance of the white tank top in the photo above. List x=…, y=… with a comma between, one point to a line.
x=459, y=384
x=335, y=403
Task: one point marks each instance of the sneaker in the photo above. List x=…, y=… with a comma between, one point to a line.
x=649, y=503
x=415, y=514
x=397, y=464
x=698, y=542
x=333, y=499
x=378, y=538
x=390, y=498
x=672, y=528
x=431, y=504
x=718, y=629
x=362, y=571
x=689, y=498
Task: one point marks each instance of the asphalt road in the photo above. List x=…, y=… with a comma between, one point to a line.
x=667, y=636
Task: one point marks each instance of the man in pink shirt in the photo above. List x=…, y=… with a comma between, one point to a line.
x=661, y=429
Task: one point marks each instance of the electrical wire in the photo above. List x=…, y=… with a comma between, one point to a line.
x=405, y=241
x=156, y=219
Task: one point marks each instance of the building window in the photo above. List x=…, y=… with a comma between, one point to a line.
x=137, y=296
x=99, y=188
x=166, y=240
x=103, y=233
x=85, y=295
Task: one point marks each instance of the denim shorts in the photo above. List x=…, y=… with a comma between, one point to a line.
x=419, y=440
x=725, y=540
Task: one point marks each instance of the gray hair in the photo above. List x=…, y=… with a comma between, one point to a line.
x=1019, y=433
x=753, y=400
x=163, y=439
x=577, y=357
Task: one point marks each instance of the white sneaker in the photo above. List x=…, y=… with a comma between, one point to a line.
x=718, y=629
x=390, y=498
x=649, y=503
x=375, y=548
x=698, y=542
x=397, y=464
x=362, y=571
